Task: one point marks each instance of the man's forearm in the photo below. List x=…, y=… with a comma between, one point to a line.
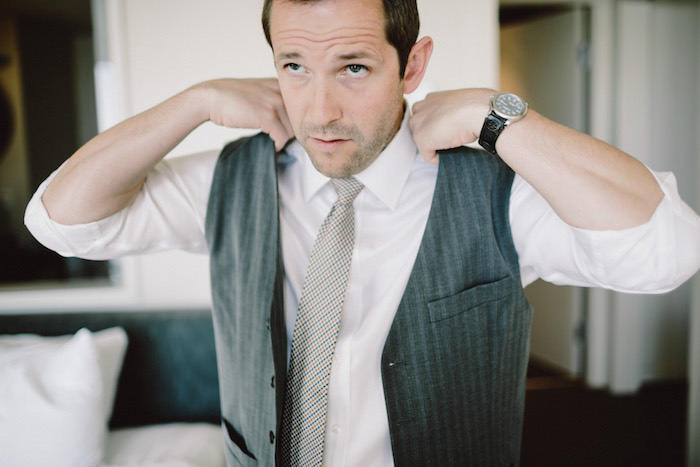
x=104, y=175
x=588, y=183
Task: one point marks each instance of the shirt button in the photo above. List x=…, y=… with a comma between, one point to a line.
x=272, y=438
x=335, y=429
x=337, y=358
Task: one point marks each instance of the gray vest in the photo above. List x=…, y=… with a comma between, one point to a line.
x=454, y=363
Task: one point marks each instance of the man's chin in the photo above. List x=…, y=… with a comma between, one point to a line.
x=328, y=167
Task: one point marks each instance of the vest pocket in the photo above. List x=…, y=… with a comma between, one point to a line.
x=236, y=446
x=471, y=298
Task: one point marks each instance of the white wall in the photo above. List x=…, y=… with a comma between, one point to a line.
x=172, y=44
x=215, y=38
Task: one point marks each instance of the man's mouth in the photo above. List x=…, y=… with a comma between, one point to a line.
x=326, y=143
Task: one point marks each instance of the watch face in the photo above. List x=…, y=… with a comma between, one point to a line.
x=509, y=105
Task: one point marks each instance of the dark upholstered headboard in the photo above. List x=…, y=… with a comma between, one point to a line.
x=169, y=372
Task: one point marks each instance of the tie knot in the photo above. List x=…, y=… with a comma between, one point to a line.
x=347, y=189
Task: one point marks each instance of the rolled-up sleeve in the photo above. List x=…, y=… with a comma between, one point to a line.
x=168, y=213
x=654, y=257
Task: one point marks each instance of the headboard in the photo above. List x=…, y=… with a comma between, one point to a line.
x=169, y=372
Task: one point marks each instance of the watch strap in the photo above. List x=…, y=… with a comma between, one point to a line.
x=493, y=127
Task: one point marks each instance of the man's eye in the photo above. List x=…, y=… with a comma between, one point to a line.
x=356, y=70
x=294, y=68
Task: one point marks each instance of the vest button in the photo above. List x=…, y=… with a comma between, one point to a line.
x=272, y=438
x=267, y=324
x=272, y=381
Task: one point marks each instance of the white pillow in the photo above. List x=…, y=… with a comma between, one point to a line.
x=111, y=346
x=170, y=445
x=55, y=397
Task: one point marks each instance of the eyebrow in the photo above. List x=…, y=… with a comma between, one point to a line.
x=287, y=56
x=355, y=55
x=342, y=57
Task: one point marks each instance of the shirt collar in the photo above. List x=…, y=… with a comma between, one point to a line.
x=386, y=177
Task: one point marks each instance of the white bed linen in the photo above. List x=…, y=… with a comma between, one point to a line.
x=170, y=445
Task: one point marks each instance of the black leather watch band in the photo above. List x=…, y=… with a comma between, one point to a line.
x=493, y=126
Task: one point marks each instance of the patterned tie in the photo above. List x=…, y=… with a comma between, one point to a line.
x=316, y=330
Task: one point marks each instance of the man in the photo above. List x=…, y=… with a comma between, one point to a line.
x=428, y=365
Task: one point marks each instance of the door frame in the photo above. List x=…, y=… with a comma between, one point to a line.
x=601, y=125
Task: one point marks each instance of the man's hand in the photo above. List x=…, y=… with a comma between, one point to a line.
x=449, y=119
x=247, y=103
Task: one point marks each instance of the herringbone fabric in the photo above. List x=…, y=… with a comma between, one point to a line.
x=316, y=330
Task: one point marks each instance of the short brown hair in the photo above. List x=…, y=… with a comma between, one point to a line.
x=401, y=25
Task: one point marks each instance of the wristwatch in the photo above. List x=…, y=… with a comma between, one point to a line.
x=506, y=108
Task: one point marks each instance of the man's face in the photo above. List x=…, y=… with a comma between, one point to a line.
x=339, y=79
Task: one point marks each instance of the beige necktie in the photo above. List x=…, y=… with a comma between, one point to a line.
x=316, y=330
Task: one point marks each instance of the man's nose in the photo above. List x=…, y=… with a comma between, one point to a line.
x=325, y=107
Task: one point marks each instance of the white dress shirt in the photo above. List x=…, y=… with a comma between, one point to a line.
x=391, y=214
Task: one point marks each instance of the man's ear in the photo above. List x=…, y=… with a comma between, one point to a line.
x=417, y=64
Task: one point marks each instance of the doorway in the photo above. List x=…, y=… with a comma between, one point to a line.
x=544, y=59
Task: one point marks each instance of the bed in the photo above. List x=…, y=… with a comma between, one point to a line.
x=115, y=388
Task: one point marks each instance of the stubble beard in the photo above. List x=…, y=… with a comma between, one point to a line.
x=367, y=150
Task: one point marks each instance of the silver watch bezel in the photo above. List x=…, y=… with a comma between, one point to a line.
x=508, y=118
